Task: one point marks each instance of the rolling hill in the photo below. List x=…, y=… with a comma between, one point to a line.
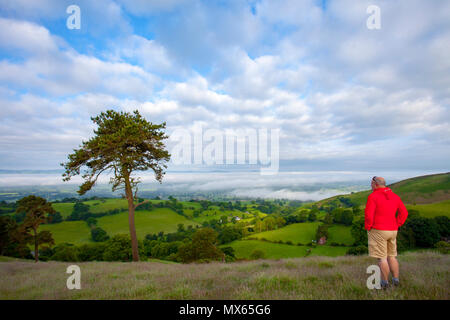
x=427, y=189
x=429, y=195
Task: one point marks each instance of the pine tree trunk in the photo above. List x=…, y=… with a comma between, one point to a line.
x=134, y=241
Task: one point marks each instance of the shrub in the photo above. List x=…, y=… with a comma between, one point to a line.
x=56, y=218
x=257, y=254
x=99, y=235
x=405, y=238
x=91, y=251
x=228, y=251
x=229, y=234
x=308, y=252
x=426, y=231
x=118, y=248
x=443, y=223
x=230, y=259
x=359, y=250
x=46, y=253
x=359, y=233
x=443, y=247
x=91, y=222
x=312, y=217
x=65, y=252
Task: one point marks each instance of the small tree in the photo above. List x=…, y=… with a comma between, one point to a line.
x=99, y=235
x=322, y=231
x=56, y=218
x=38, y=211
x=123, y=144
x=359, y=233
x=13, y=242
x=202, y=247
x=312, y=216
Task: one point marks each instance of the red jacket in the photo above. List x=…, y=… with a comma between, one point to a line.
x=381, y=208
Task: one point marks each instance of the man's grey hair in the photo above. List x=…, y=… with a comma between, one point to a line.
x=380, y=181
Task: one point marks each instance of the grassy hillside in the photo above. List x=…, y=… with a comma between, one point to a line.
x=244, y=248
x=418, y=190
x=95, y=206
x=75, y=232
x=424, y=276
x=340, y=234
x=433, y=209
x=298, y=232
x=159, y=219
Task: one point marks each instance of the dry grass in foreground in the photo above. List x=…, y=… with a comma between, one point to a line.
x=424, y=275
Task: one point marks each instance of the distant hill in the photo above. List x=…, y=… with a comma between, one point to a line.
x=418, y=190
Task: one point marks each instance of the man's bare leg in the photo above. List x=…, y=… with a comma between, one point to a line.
x=393, y=266
x=384, y=267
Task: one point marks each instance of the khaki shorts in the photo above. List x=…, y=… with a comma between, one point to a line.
x=382, y=243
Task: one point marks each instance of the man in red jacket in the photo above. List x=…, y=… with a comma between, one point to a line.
x=382, y=223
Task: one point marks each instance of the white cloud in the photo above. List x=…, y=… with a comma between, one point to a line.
x=22, y=35
x=335, y=89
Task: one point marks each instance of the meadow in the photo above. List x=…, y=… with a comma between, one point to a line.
x=244, y=248
x=340, y=234
x=432, y=209
x=424, y=275
x=303, y=232
x=154, y=221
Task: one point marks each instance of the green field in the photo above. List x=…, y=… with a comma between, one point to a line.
x=303, y=232
x=64, y=208
x=340, y=234
x=433, y=209
x=159, y=219
x=75, y=232
x=95, y=206
x=244, y=248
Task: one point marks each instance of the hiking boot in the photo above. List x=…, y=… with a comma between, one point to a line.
x=395, y=282
x=384, y=285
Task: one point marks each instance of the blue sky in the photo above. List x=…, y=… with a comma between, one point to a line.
x=344, y=97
